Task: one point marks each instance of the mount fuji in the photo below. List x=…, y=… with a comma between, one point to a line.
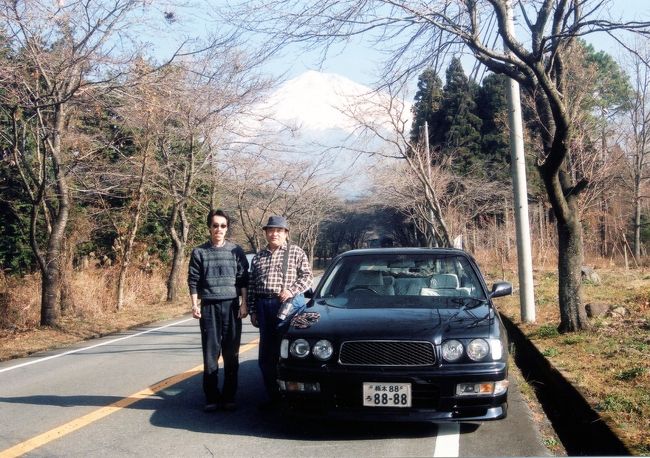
x=319, y=112
x=317, y=101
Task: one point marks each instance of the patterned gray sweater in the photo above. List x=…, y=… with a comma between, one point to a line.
x=217, y=273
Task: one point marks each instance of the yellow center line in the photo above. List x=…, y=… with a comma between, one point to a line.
x=85, y=420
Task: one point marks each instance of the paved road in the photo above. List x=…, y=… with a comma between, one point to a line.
x=139, y=394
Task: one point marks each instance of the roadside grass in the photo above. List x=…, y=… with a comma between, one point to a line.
x=90, y=311
x=609, y=363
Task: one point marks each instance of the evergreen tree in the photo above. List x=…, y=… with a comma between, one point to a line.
x=611, y=89
x=460, y=123
x=427, y=106
x=492, y=108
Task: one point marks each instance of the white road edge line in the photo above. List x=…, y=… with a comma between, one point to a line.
x=447, y=440
x=77, y=350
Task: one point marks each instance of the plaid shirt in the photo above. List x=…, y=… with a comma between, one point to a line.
x=266, y=273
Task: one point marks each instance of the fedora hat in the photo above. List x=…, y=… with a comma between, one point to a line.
x=277, y=221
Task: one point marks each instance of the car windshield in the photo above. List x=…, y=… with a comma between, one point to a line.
x=402, y=280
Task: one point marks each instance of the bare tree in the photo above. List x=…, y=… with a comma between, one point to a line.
x=254, y=183
x=63, y=52
x=228, y=84
x=639, y=141
x=461, y=200
x=144, y=116
x=413, y=33
x=311, y=199
x=260, y=185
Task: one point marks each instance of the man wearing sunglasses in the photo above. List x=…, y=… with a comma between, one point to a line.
x=218, y=277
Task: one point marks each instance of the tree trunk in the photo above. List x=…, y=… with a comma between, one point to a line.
x=52, y=274
x=572, y=314
x=49, y=296
x=637, y=217
x=51, y=280
x=175, y=272
x=563, y=196
x=177, y=256
x=133, y=230
x=602, y=227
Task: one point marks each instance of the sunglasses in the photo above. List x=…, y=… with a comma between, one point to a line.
x=222, y=226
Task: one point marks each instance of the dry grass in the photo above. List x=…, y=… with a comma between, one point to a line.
x=90, y=313
x=610, y=363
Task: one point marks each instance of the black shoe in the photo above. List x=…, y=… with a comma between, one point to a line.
x=210, y=407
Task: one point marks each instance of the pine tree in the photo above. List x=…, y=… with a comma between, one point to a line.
x=461, y=125
x=427, y=104
x=492, y=108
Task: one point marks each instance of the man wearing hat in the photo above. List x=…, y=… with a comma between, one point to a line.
x=268, y=289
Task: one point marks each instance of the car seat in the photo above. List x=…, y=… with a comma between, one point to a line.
x=373, y=280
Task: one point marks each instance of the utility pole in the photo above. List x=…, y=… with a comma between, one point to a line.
x=432, y=236
x=518, y=164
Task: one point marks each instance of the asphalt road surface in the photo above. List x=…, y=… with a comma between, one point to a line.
x=139, y=394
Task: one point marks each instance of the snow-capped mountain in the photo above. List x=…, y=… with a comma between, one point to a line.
x=316, y=101
x=317, y=112
x=319, y=101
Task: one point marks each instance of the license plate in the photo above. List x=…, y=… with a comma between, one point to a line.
x=386, y=394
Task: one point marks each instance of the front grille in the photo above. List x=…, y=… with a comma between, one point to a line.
x=387, y=353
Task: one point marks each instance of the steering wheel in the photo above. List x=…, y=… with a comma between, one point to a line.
x=363, y=288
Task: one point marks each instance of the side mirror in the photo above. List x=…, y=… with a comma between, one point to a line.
x=501, y=288
x=309, y=293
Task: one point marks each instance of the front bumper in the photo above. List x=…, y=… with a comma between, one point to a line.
x=433, y=394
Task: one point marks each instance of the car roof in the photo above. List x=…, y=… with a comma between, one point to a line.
x=404, y=250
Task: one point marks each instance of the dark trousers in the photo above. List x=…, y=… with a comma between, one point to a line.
x=270, y=338
x=220, y=334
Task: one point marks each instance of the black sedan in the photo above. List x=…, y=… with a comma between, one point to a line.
x=398, y=334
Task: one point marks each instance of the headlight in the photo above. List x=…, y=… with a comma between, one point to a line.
x=477, y=349
x=452, y=350
x=323, y=350
x=299, y=348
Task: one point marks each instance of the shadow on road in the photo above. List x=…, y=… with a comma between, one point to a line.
x=184, y=411
x=180, y=407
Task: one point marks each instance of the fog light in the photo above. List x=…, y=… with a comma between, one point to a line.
x=299, y=387
x=473, y=389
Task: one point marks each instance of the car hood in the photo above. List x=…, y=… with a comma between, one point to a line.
x=395, y=323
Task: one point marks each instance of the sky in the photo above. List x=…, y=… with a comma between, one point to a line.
x=359, y=60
